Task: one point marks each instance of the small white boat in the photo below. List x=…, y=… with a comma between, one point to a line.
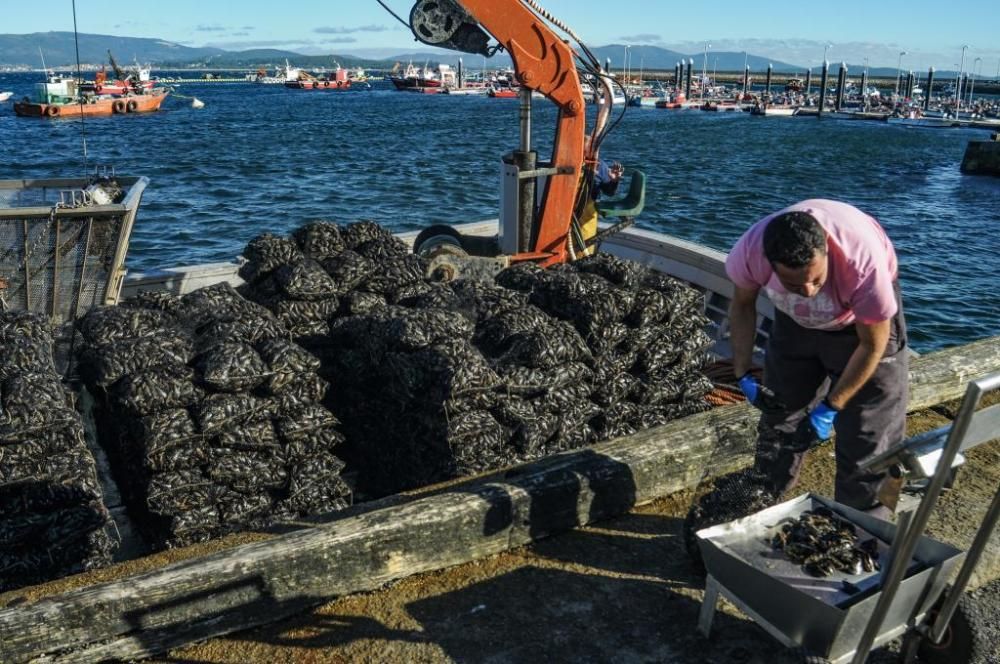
x=776, y=111
x=4, y=96
x=926, y=123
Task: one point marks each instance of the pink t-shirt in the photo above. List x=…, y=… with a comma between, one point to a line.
x=861, y=272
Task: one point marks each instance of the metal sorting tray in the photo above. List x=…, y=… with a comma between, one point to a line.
x=826, y=615
x=62, y=251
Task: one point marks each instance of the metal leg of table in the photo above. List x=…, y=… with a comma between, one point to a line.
x=708, y=605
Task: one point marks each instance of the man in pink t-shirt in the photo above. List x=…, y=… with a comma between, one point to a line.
x=836, y=358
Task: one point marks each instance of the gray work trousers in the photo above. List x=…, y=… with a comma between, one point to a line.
x=801, y=366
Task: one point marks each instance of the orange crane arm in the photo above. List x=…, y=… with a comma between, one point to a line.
x=544, y=62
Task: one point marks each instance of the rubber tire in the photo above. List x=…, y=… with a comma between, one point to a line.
x=132, y=106
x=52, y=111
x=431, y=231
x=118, y=106
x=963, y=642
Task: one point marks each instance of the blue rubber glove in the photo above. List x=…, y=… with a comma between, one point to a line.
x=821, y=419
x=759, y=396
x=750, y=387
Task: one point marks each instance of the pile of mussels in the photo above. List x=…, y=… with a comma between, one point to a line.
x=53, y=521
x=210, y=413
x=823, y=543
x=434, y=381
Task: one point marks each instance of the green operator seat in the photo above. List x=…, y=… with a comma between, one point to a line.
x=633, y=202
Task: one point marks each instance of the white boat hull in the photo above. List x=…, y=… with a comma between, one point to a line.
x=927, y=123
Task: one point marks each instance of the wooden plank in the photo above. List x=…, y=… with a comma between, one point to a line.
x=262, y=582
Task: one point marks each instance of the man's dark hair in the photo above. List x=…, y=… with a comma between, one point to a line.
x=793, y=239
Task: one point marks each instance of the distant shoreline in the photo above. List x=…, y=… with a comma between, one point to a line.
x=778, y=79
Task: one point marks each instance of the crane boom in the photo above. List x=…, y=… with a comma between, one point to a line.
x=542, y=62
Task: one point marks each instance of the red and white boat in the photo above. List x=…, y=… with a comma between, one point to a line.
x=62, y=97
x=335, y=80
x=503, y=92
x=415, y=79
x=133, y=80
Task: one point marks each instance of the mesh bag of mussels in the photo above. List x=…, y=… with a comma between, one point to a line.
x=211, y=414
x=323, y=270
x=432, y=381
x=53, y=521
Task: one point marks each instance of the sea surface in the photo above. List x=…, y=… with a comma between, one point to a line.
x=264, y=158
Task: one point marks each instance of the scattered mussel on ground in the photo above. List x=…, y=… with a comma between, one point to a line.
x=824, y=543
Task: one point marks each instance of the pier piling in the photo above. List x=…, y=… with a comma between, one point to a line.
x=746, y=80
x=767, y=83
x=841, y=83
x=687, y=90
x=809, y=80
x=930, y=88
x=822, y=87
x=864, y=87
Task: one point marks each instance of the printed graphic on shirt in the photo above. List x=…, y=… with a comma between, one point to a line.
x=818, y=313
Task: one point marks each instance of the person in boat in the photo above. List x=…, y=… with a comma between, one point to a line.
x=837, y=358
x=607, y=177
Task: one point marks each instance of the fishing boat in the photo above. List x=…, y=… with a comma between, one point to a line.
x=61, y=97
x=417, y=79
x=357, y=75
x=263, y=78
x=335, y=80
x=794, y=85
x=773, y=110
x=503, y=92
x=135, y=79
x=924, y=122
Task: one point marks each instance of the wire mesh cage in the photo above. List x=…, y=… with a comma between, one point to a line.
x=63, y=242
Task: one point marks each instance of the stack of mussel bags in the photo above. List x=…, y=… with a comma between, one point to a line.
x=210, y=414
x=53, y=521
x=434, y=381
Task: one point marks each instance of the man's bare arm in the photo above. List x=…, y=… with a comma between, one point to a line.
x=743, y=327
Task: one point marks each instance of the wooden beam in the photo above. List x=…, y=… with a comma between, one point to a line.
x=262, y=582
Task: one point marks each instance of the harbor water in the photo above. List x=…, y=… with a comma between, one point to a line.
x=264, y=158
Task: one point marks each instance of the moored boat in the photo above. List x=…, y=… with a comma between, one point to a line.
x=61, y=97
x=335, y=80
x=771, y=110
x=417, y=79
x=503, y=92
x=135, y=79
x=925, y=122
x=4, y=96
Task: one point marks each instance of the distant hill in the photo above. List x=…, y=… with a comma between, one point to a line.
x=654, y=57
x=60, y=51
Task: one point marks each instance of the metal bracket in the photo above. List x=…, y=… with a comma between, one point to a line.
x=540, y=172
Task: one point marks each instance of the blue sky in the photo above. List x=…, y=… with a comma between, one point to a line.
x=931, y=32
